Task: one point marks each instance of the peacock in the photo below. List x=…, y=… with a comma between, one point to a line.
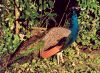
x=67, y=39
x=54, y=40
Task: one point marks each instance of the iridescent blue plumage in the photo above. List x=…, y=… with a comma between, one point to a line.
x=73, y=27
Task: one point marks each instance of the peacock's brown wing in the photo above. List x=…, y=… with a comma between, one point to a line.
x=54, y=36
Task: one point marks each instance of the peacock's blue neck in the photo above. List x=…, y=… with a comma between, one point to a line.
x=74, y=28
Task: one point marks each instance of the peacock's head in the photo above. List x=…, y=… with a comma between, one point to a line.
x=75, y=10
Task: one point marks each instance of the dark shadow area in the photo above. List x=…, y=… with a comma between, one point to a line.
x=98, y=1
x=60, y=8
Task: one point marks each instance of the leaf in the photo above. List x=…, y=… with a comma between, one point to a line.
x=16, y=41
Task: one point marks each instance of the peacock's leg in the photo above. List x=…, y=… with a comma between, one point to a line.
x=77, y=50
x=60, y=57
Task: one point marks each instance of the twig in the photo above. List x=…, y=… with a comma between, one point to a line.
x=64, y=14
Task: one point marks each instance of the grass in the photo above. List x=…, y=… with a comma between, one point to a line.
x=73, y=63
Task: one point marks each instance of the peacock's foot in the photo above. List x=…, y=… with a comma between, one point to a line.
x=60, y=57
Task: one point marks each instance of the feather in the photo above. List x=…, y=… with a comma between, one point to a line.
x=54, y=36
x=74, y=28
x=69, y=39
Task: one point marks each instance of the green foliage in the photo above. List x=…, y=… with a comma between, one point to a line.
x=29, y=10
x=32, y=48
x=10, y=42
x=89, y=23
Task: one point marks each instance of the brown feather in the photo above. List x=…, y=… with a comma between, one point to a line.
x=54, y=36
